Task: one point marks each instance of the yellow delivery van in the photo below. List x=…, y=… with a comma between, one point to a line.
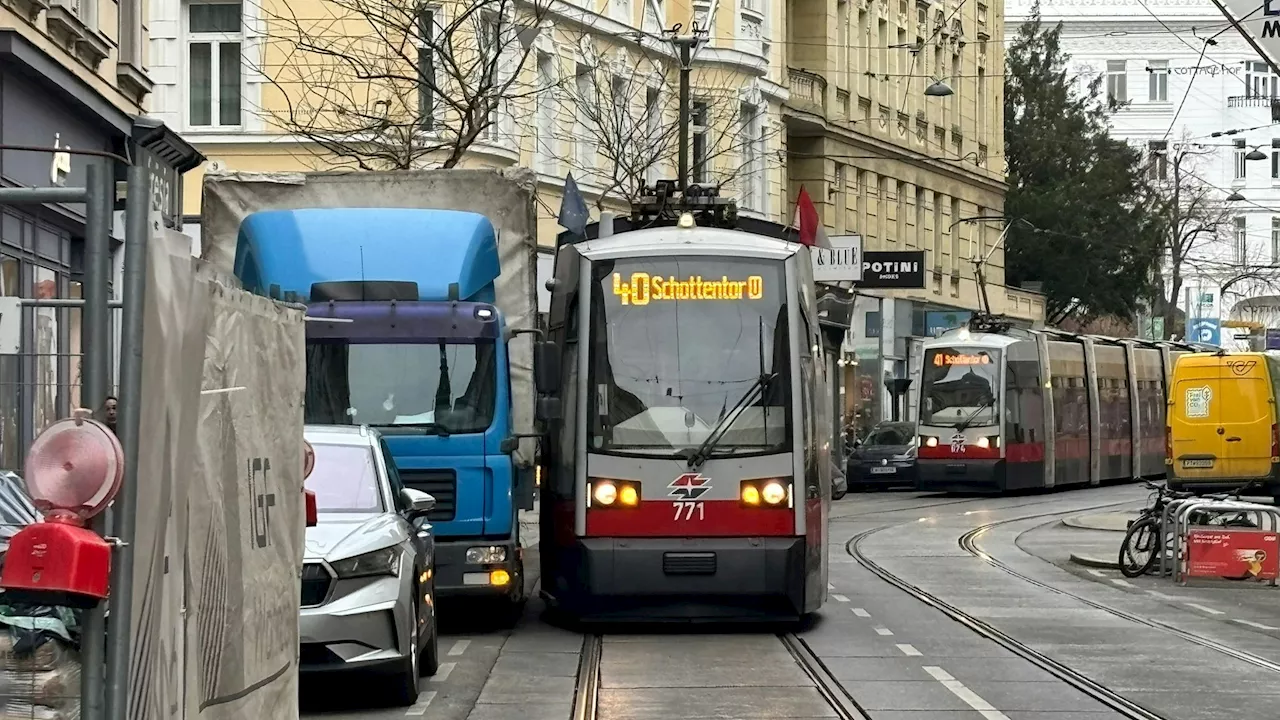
x=1221, y=427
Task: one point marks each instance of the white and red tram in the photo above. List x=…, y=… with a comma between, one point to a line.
x=1026, y=409
x=687, y=476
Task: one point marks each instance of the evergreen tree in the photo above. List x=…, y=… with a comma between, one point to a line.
x=1079, y=209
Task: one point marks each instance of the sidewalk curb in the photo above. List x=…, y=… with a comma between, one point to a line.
x=1094, y=562
x=1081, y=522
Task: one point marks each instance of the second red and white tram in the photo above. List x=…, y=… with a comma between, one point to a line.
x=687, y=476
x=1018, y=409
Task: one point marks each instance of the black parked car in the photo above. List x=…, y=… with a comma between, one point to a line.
x=887, y=457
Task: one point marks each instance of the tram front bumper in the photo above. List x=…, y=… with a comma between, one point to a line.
x=688, y=579
x=968, y=476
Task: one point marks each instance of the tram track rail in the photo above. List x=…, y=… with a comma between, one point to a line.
x=1099, y=692
x=831, y=690
x=586, y=693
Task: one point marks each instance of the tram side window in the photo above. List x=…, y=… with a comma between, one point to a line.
x=807, y=408
x=565, y=476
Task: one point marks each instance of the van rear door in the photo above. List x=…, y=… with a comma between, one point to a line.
x=1245, y=417
x=1194, y=415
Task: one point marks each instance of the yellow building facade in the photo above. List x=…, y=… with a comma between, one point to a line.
x=589, y=89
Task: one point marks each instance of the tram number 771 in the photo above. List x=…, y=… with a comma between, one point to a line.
x=686, y=508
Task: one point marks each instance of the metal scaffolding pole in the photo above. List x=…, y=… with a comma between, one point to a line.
x=96, y=348
x=136, y=232
x=43, y=195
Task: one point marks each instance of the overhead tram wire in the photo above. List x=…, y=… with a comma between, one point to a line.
x=1190, y=84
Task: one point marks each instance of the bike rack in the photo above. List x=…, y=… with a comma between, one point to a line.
x=1181, y=510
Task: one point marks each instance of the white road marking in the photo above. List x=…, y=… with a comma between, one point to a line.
x=1203, y=608
x=442, y=673
x=1097, y=573
x=1253, y=624
x=459, y=647
x=970, y=698
x=861, y=613
x=420, y=707
x=909, y=650
x=1162, y=596
x=1122, y=583
x=839, y=598
x=884, y=631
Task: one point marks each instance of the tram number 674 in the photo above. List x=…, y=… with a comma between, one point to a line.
x=686, y=508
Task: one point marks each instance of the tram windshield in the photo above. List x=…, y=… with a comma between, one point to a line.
x=677, y=343
x=959, y=387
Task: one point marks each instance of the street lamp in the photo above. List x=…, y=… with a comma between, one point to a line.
x=938, y=89
x=1256, y=154
x=1235, y=196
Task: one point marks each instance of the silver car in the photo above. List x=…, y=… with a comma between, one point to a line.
x=368, y=592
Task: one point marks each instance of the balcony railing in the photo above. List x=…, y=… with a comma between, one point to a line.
x=808, y=91
x=1257, y=101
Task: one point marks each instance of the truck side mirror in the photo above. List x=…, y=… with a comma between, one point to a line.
x=546, y=368
x=548, y=408
x=508, y=445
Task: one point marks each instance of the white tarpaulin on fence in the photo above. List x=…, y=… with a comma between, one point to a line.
x=506, y=198
x=220, y=520
x=246, y=515
x=174, y=328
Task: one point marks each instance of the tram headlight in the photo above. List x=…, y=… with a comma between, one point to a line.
x=605, y=492
x=614, y=493
x=930, y=441
x=750, y=495
x=983, y=442
x=774, y=492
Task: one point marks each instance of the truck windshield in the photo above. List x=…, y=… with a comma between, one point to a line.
x=445, y=386
x=676, y=343
x=959, y=386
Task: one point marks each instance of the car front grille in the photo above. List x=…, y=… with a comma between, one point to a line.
x=439, y=484
x=315, y=584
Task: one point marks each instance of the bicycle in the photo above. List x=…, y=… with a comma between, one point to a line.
x=1146, y=532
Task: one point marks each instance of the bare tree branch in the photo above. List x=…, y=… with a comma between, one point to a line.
x=401, y=84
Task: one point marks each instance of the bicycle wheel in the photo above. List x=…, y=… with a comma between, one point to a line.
x=1138, y=550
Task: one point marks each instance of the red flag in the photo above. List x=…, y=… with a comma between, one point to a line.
x=806, y=219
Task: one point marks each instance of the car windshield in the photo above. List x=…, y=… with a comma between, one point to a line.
x=676, y=343
x=901, y=434
x=344, y=479
x=958, y=387
x=450, y=385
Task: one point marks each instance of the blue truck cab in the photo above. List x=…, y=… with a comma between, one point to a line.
x=403, y=334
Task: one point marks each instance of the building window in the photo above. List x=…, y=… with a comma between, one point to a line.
x=1241, y=165
x=426, y=69
x=544, y=132
x=1158, y=160
x=1158, y=80
x=654, y=144
x=1242, y=241
x=753, y=183
x=956, y=227
x=1117, y=81
x=1259, y=81
x=215, y=36
x=982, y=105
x=585, y=146
x=699, y=131
x=1275, y=240
x=751, y=30
x=1275, y=158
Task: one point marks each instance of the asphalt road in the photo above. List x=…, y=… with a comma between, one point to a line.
x=1181, y=653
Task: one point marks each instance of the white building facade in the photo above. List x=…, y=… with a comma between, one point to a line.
x=1211, y=100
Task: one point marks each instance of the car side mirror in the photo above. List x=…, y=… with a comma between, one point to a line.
x=418, y=502
x=546, y=368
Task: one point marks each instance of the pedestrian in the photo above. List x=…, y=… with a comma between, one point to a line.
x=107, y=414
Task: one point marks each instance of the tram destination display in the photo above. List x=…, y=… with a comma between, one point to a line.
x=888, y=269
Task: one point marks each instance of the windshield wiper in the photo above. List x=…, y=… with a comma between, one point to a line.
x=758, y=388
x=973, y=415
x=427, y=428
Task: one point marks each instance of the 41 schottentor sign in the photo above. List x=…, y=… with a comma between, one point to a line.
x=892, y=270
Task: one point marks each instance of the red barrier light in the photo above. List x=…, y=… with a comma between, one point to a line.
x=74, y=470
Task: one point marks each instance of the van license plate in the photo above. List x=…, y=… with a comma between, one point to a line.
x=883, y=470
x=1198, y=463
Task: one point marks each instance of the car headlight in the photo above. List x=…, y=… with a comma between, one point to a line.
x=379, y=562
x=489, y=554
